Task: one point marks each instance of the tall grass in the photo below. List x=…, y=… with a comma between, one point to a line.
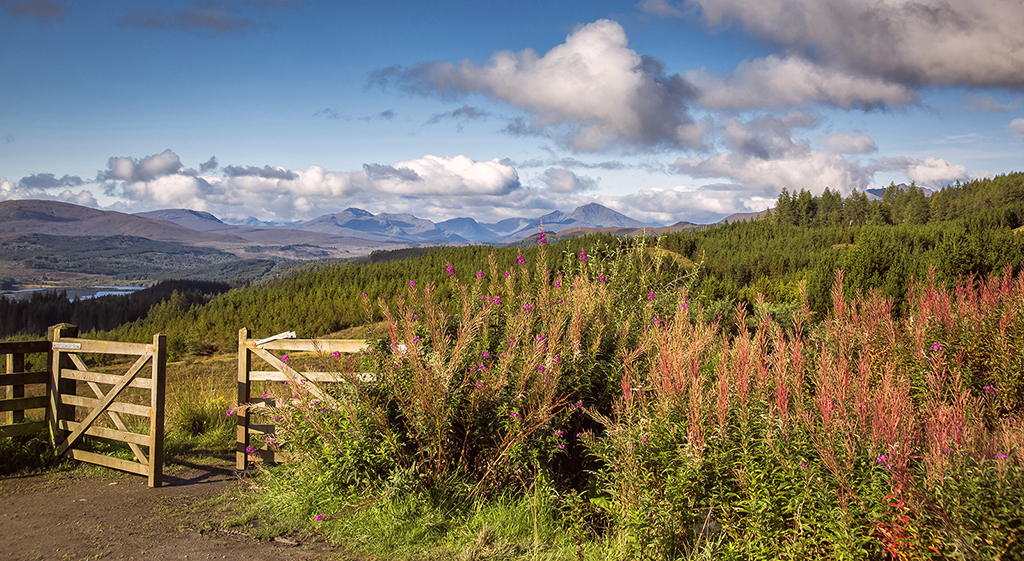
x=620, y=416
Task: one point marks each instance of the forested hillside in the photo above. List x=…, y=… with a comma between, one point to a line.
x=790, y=254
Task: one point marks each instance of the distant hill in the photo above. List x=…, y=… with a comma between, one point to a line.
x=65, y=219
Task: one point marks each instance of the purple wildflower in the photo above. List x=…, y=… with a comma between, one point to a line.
x=479, y=274
x=1000, y=456
x=319, y=517
x=583, y=255
x=520, y=260
x=286, y=358
x=336, y=354
x=449, y=270
x=412, y=283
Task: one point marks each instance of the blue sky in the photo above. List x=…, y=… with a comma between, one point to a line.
x=665, y=110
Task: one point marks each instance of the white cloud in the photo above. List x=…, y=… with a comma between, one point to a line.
x=846, y=143
x=1017, y=126
x=564, y=181
x=284, y=194
x=706, y=204
x=952, y=42
x=930, y=172
x=775, y=82
x=592, y=92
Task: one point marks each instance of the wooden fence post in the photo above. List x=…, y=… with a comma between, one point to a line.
x=58, y=386
x=156, y=419
x=15, y=363
x=242, y=411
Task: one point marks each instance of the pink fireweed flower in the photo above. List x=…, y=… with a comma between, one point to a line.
x=936, y=346
x=561, y=446
x=520, y=260
x=230, y=412
x=601, y=278
x=336, y=354
x=249, y=449
x=507, y=275
x=412, y=283
x=583, y=255
x=496, y=300
x=286, y=358
x=479, y=274
x=265, y=395
x=364, y=294
x=650, y=295
x=1000, y=456
x=990, y=390
x=319, y=517
x=528, y=307
x=558, y=283
x=542, y=238
x=449, y=270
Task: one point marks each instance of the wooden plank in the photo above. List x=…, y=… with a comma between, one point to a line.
x=129, y=408
x=121, y=436
x=14, y=347
x=23, y=403
x=296, y=377
x=22, y=378
x=108, y=347
x=319, y=377
x=121, y=425
x=57, y=386
x=312, y=345
x=103, y=378
x=23, y=428
x=242, y=414
x=262, y=429
x=156, y=422
x=107, y=400
x=16, y=387
x=107, y=461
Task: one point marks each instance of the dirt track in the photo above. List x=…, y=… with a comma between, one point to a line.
x=81, y=515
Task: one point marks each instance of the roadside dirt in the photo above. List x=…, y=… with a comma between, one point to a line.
x=103, y=514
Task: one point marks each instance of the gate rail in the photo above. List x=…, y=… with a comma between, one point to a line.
x=13, y=403
x=68, y=368
x=249, y=348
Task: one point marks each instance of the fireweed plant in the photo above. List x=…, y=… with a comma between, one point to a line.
x=599, y=393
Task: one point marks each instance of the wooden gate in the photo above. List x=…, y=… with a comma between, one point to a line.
x=68, y=367
x=282, y=372
x=13, y=402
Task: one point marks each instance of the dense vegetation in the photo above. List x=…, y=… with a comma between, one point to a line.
x=128, y=257
x=839, y=379
x=31, y=316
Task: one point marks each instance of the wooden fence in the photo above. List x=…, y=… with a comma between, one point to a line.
x=13, y=402
x=68, y=367
x=264, y=350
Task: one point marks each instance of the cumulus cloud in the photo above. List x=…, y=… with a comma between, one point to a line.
x=1017, y=126
x=930, y=172
x=775, y=82
x=709, y=203
x=564, y=181
x=38, y=9
x=148, y=168
x=209, y=165
x=591, y=93
x=953, y=42
x=846, y=143
x=49, y=181
x=162, y=181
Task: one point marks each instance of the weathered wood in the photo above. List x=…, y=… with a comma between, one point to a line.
x=93, y=346
x=57, y=386
x=23, y=347
x=241, y=414
x=107, y=461
x=106, y=401
x=111, y=434
x=21, y=378
x=103, y=378
x=312, y=345
x=156, y=422
x=262, y=429
x=23, y=428
x=321, y=377
x=129, y=408
x=296, y=377
x=23, y=403
x=16, y=388
x=121, y=425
